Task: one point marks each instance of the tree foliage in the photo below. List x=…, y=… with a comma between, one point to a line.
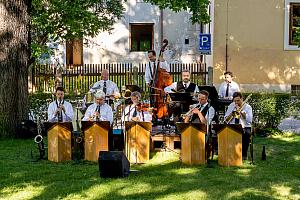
x=198, y=8
x=61, y=20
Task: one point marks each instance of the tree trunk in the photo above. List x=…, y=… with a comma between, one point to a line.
x=14, y=55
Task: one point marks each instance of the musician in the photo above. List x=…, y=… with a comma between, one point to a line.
x=100, y=110
x=201, y=112
x=60, y=110
x=152, y=66
x=185, y=85
x=228, y=87
x=134, y=112
x=109, y=88
x=243, y=117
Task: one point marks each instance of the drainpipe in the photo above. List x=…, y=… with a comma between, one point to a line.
x=161, y=26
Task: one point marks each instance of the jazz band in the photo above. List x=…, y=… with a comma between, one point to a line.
x=105, y=92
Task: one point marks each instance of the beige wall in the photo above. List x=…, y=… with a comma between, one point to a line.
x=255, y=45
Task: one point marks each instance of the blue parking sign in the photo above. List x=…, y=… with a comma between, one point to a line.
x=205, y=43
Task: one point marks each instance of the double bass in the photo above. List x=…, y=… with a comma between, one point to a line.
x=161, y=79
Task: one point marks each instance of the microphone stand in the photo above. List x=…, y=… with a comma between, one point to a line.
x=208, y=137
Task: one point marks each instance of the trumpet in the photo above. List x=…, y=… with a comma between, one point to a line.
x=190, y=111
x=237, y=113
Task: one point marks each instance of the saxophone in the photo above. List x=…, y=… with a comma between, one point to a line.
x=237, y=113
x=38, y=139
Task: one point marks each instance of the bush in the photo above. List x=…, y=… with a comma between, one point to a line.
x=270, y=109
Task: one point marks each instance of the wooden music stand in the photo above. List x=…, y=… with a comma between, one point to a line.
x=95, y=138
x=192, y=142
x=59, y=141
x=137, y=143
x=229, y=144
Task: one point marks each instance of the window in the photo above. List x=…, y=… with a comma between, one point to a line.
x=141, y=37
x=74, y=52
x=292, y=23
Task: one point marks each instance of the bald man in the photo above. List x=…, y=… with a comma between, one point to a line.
x=107, y=86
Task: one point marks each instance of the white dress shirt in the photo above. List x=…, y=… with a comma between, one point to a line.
x=233, y=87
x=106, y=113
x=148, y=75
x=128, y=113
x=244, y=122
x=111, y=87
x=67, y=116
x=210, y=112
x=173, y=86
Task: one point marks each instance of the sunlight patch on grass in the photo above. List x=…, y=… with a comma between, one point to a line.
x=248, y=191
x=243, y=172
x=163, y=157
x=284, y=192
x=27, y=192
x=286, y=137
x=195, y=194
x=184, y=171
x=135, y=189
x=297, y=157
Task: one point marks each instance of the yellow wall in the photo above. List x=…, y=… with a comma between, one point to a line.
x=255, y=44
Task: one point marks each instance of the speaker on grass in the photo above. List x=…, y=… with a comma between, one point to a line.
x=113, y=164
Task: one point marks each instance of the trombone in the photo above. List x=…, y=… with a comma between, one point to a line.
x=237, y=113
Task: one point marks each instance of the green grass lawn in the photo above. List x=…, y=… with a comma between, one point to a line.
x=163, y=177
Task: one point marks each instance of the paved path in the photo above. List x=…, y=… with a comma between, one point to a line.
x=290, y=124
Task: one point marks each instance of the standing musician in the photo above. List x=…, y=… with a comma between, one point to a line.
x=109, y=88
x=184, y=85
x=152, y=66
x=201, y=112
x=240, y=112
x=134, y=111
x=60, y=110
x=228, y=87
x=99, y=111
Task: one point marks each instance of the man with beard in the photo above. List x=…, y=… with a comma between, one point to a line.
x=183, y=86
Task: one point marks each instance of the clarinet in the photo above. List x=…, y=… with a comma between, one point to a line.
x=59, y=117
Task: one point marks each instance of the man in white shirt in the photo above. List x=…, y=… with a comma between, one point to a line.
x=242, y=114
x=185, y=85
x=60, y=110
x=201, y=112
x=151, y=67
x=109, y=88
x=99, y=111
x=228, y=87
x=134, y=112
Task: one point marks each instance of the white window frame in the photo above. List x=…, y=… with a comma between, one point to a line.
x=287, y=46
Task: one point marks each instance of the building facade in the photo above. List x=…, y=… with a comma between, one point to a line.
x=255, y=40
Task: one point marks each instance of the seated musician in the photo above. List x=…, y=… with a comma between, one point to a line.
x=228, y=87
x=201, y=112
x=134, y=111
x=240, y=112
x=60, y=110
x=109, y=88
x=99, y=111
x=184, y=85
x=152, y=66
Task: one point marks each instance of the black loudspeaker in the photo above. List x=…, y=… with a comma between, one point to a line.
x=113, y=164
x=27, y=129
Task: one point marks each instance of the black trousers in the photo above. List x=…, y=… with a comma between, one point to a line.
x=245, y=141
